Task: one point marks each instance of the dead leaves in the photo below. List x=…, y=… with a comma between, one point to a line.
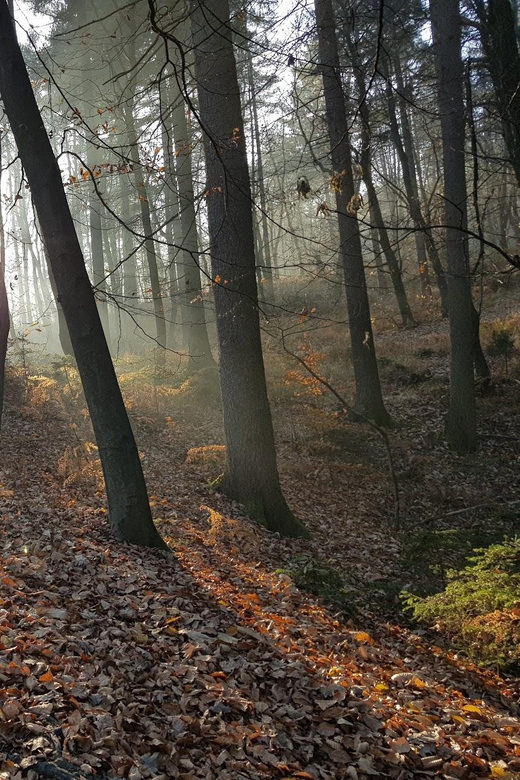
x=211, y=667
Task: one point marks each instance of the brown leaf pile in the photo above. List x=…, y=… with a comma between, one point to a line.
x=211, y=666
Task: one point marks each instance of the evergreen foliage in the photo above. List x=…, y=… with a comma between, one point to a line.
x=479, y=608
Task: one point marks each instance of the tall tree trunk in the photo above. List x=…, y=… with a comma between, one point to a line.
x=266, y=264
x=197, y=333
x=95, y=209
x=149, y=244
x=129, y=510
x=461, y=422
x=251, y=475
x=130, y=277
x=172, y=228
x=482, y=369
x=423, y=238
x=63, y=328
x=369, y=399
x=4, y=303
x=375, y=209
x=500, y=43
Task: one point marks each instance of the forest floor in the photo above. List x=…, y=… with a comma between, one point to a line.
x=116, y=662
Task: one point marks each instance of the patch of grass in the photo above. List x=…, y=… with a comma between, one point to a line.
x=479, y=608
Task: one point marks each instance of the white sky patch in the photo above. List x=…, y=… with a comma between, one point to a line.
x=31, y=25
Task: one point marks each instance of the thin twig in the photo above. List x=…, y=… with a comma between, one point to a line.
x=486, y=505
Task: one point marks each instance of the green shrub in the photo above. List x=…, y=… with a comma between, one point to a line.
x=479, y=608
x=430, y=554
x=502, y=344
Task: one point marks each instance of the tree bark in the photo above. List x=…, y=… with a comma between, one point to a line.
x=461, y=430
x=500, y=43
x=265, y=264
x=172, y=228
x=251, y=475
x=4, y=303
x=194, y=316
x=369, y=399
x=129, y=510
x=375, y=208
x=423, y=238
x=149, y=244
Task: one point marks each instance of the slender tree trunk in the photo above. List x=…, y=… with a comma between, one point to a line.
x=251, y=475
x=95, y=208
x=131, y=301
x=482, y=369
x=461, y=422
x=379, y=261
x=37, y=281
x=129, y=510
x=197, y=333
x=130, y=276
x=423, y=238
x=267, y=270
x=4, y=303
x=173, y=231
x=500, y=43
x=63, y=329
x=368, y=388
x=375, y=209
x=151, y=255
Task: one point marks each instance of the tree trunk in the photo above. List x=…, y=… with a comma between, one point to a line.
x=375, y=209
x=194, y=317
x=461, y=422
x=251, y=475
x=63, y=330
x=369, y=399
x=423, y=238
x=4, y=303
x=172, y=227
x=149, y=244
x=266, y=262
x=129, y=510
x=498, y=34
x=95, y=208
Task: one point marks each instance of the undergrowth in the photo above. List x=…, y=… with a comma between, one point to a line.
x=322, y=580
x=479, y=609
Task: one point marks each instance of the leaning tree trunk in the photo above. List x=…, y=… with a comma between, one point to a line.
x=423, y=238
x=251, y=475
x=129, y=510
x=375, y=208
x=369, y=399
x=461, y=422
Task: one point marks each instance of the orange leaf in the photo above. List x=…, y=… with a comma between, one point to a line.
x=47, y=677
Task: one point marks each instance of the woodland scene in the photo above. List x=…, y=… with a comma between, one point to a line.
x=259, y=389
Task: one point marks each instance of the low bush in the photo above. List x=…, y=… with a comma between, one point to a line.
x=479, y=610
